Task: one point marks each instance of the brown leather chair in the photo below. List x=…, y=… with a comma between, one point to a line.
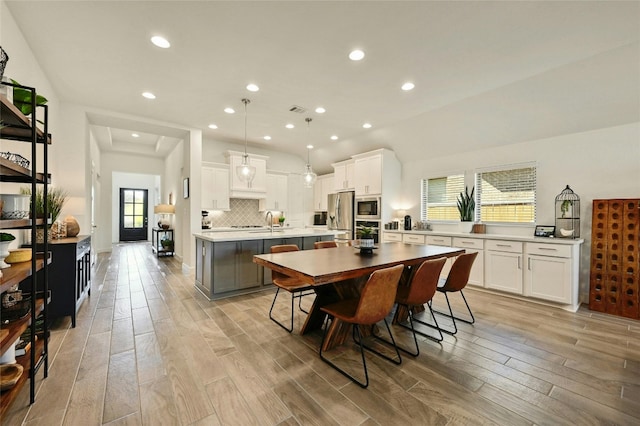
x=455, y=282
x=324, y=244
x=290, y=284
x=420, y=291
x=373, y=305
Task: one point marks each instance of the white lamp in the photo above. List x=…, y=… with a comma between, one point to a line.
x=163, y=210
x=245, y=171
x=308, y=175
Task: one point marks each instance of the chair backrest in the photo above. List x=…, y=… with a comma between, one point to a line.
x=282, y=248
x=460, y=271
x=378, y=295
x=425, y=281
x=324, y=244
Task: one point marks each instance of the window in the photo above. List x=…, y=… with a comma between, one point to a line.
x=439, y=197
x=507, y=195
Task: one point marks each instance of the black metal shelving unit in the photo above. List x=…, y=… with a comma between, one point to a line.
x=18, y=127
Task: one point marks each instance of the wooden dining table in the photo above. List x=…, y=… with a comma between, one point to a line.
x=339, y=273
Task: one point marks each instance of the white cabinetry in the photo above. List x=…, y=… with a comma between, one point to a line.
x=321, y=190
x=548, y=272
x=388, y=237
x=413, y=239
x=503, y=265
x=215, y=186
x=473, y=245
x=368, y=175
x=258, y=187
x=437, y=240
x=343, y=176
x=277, y=191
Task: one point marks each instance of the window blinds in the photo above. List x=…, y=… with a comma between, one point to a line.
x=507, y=195
x=439, y=197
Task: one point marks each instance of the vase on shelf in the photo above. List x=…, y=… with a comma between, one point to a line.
x=4, y=252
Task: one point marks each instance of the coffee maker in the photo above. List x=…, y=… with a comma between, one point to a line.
x=407, y=223
x=206, y=220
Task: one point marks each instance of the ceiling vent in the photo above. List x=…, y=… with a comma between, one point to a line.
x=298, y=109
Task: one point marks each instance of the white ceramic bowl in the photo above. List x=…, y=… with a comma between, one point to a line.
x=16, y=206
x=566, y=232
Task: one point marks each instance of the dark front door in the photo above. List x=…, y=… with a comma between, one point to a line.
x=133, y=214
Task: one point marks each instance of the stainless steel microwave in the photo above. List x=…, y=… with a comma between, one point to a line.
x=368, y=208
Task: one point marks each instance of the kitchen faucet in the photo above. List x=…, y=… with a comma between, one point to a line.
x=269, y=217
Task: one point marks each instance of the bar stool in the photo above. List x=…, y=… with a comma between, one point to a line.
x=420, y=291
x=373, y=305
x=290, y=284
x=456, y=281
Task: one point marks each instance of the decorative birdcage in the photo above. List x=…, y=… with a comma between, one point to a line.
x=4, y=58
x=568, y=214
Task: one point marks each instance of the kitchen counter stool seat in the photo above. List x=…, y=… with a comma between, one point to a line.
x=289, y=284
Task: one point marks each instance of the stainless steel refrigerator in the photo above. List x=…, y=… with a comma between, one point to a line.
x=340, y=214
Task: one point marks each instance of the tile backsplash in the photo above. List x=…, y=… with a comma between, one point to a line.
x=243, y=212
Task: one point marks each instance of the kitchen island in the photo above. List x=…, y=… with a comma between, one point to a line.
x=224, y=260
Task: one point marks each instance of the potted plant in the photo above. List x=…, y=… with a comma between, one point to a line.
x=467, y=208
x=5, y=240
x=56, y=197
x=281, y=220
x=366, y=236
x=167, y=244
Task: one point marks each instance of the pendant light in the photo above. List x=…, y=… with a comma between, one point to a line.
x=308, y=175
x=245, y=171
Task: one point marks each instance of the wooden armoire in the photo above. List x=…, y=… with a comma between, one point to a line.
x=615, y=263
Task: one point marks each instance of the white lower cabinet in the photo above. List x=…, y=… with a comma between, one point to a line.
x=413, y=239
x=437, y=240
x=503, y=266
x=388, y=237
x=548, y=272
x=473, y=245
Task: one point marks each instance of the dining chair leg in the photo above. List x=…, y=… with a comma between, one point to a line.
x=300, y=296
x=290, y=329
x=435, y=327
x=454, y=318
x=340, y=370
x=380, y=354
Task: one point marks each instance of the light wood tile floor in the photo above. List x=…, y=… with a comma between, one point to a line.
x=149, y=349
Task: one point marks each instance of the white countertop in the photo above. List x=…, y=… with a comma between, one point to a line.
x=531, y=239
x=261, y=234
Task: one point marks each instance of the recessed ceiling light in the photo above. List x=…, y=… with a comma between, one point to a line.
x=334, y=138
x=367, y=125
x=213, y=126
x=135, y=135
x=267, y=138
x=148, y=95
x=229, y=110
x=252, y=87
x=160, y=42
x=320, y=110
x=408, y=86
x=356, y=55
x=309, y=146
x=289, y=126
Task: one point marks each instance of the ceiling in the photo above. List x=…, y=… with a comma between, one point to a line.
x=487, y=72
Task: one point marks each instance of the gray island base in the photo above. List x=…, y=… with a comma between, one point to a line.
x=224, y=260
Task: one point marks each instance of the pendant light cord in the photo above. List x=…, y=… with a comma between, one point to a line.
x=245, y=101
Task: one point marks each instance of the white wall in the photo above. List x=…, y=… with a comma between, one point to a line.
x=602, y=163
x=172, y=184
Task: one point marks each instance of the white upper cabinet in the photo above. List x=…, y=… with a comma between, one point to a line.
x=321, y=190
x=258, y=187
x=368, y=175
x=277, y=192
x=215, y=187
x=343, y=176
